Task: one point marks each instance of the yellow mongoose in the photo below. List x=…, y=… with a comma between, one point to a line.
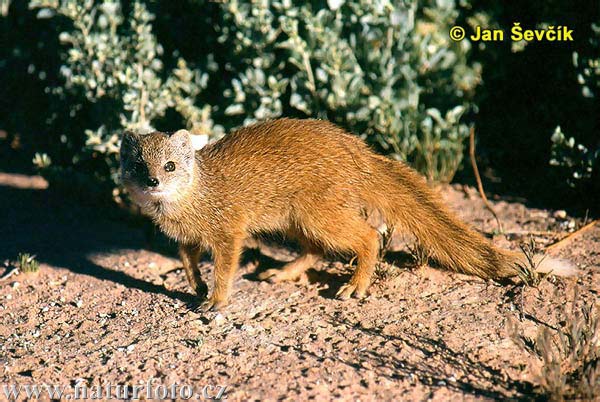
x=306, y=178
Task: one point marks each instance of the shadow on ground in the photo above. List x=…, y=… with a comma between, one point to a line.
x=62, y=233
x=441, y=366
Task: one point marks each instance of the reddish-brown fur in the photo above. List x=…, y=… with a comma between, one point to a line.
x=310, y=180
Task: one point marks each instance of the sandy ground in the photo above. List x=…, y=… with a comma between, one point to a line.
x=105, y=309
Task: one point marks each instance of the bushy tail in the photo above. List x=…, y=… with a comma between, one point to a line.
x=409, y=205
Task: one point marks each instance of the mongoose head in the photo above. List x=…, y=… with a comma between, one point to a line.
x=157, y=167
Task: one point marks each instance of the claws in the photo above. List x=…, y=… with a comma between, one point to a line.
x=211, y=305
x=348, y=290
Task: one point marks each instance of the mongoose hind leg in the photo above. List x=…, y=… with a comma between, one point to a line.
x=189, y=257
x=344, y=229
x=366, y=247
x=291, y=271
x=227, y=259
x=294, y=270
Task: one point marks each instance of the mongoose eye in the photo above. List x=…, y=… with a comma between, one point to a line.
x=170, y=166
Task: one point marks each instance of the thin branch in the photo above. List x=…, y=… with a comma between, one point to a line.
x=9, y=273
x=478, y=178
x=567, y=239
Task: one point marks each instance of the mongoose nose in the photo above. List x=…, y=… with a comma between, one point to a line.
x=152, y=182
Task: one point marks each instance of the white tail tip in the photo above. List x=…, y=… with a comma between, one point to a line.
x=556, y=266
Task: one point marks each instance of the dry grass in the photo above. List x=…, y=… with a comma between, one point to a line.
x=385, y=240
x=565, y=360
x=385, y=272
x=528, y=272
x=27, y=263
x=420, y=256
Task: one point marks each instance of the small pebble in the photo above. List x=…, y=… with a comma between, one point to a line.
x=219, y=318
x=560, y=214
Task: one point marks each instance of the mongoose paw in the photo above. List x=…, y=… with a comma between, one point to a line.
x=277, y=275
x=348, y=290
x=212, y=304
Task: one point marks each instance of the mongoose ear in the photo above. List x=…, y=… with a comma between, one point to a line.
x=181, y=139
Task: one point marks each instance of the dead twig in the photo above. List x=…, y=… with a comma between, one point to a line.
x=9, y=273
x=478, y=178
x=567, y=239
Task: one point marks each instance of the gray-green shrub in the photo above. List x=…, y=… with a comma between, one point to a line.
x=385, y=70
x=578, y=160
x=113, y=59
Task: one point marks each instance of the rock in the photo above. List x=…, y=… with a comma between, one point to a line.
x=219, y=318
x=560, y=214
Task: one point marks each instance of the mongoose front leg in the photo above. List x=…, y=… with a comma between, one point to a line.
x=189, y=257
x=227, y=259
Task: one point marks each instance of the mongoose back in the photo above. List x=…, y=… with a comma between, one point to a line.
x=306, y=178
